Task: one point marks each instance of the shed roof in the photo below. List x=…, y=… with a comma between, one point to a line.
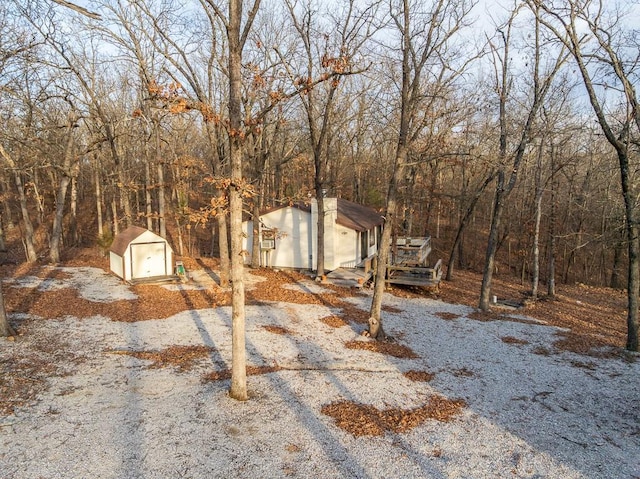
x=357, y=217
x=123, y=239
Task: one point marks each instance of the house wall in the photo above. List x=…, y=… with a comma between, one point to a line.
x=297, y=239
x=332, y=244
x=347, y=249
x=293, y=241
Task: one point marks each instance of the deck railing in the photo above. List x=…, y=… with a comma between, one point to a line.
x=411, y=251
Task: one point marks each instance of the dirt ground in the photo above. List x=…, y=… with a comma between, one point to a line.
x=594, y=321
x=594, y=317
x=42, y=372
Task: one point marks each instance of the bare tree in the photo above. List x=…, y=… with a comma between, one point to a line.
x=429, y=67
x=330, y=47
x=510, y=162
x=197, y=89
x=607, y=57
x=8, y=51
x=18, y=54
x=554, y=133
x=67, y=173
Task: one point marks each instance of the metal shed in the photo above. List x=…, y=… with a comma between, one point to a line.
x=137, y=253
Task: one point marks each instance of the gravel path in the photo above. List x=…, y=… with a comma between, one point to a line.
x=531, y=411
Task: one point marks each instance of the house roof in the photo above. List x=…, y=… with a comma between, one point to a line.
x=350, y=215
x=124, y=238
x=306, y=207
x=357, y=217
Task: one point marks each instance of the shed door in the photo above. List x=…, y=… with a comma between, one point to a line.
x=148, y=259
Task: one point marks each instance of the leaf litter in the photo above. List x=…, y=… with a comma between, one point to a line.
x=302, y=359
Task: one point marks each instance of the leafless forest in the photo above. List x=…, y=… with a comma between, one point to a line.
x=508, y=131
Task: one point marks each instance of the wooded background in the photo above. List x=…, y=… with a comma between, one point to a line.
x=123, y=119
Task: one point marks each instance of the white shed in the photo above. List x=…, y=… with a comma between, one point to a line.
x=137, y=253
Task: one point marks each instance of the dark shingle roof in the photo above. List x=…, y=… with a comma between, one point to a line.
x=306, y=207
x=351, y=215
x=122, y=240
x=357, y=217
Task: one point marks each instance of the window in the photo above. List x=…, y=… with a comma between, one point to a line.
x=268, y=239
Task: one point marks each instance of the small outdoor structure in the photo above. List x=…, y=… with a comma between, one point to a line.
x=289, y=235
x=408, y=264
x=137, y=253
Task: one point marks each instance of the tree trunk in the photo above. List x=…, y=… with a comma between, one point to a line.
x=65, y=171
x=148, y=204
x=321, y=234
x=30, y=249
x=551, y=281
x=255, y=240
x=5, y=327
x=162, y=211
x=551, y=266
x=376, y=330
x=492, y=244
x=616, y=279
x=3, y=246
x=73, y=211
x=114, y=214
x=238, y=388
x=536, y=231
x=125, y=201
x=99, y=202
x=633, y=274
x=180, y=241
x=56, y=234
x=7, y=213
x=38, y=197
x=223, y=245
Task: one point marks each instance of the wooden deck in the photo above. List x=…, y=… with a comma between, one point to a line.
x=415, y=275
x=408, y=264
x=349, y=277
x=411, y=251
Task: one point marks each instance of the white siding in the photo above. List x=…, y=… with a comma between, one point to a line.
x=148, y=255
x=293, y=240
x=148, y=260
x=296, y=240
x=116, y=263
x=347, y=247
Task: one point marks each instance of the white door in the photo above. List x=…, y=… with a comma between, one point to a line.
x=148, y=260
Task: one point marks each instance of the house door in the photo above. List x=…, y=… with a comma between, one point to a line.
x=148, y=260
x=364, y=244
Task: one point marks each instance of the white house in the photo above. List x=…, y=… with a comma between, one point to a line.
x=289, y=235
x=138, y=253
